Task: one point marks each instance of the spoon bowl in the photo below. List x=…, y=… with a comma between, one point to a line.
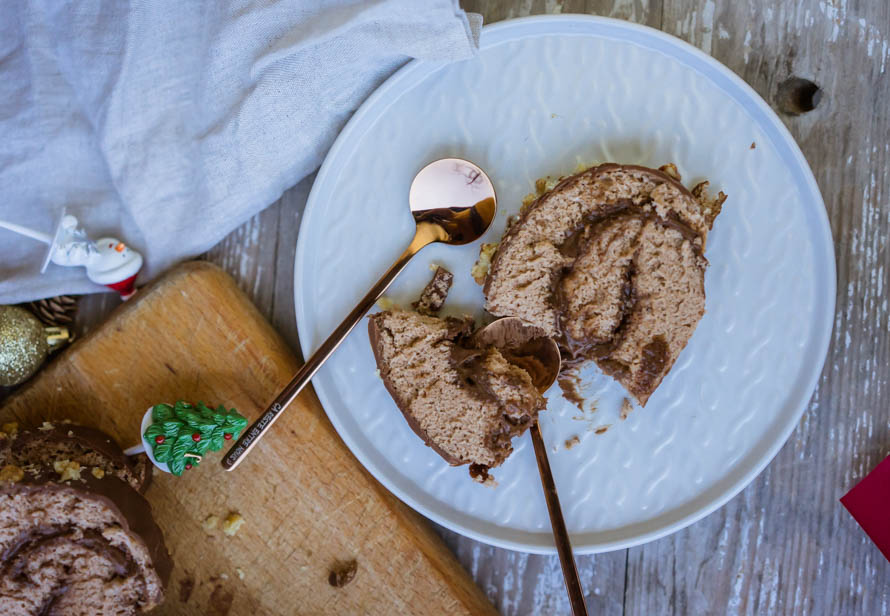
x=453, y=202
x=454, y=196
x=526, y=346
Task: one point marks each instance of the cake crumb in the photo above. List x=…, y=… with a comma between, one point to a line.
x=572, y=441
x=753, y=145
x=342, y=573
x=46, y=426
x=485, y=480
x=384, y=303
x=480, y=269
x=210, y=523
x=67, y=469
x=569, y=382
x=232, y=524
x=433, y=296
x=711, y=206
x=97, y=472
x=239, y=572
x=626, y=408
x=11, y=473
x=602, y=429
x=479, y=473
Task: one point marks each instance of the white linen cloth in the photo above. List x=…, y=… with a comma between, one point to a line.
x=168, y=123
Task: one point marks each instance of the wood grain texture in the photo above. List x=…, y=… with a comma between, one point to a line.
x=784, y=545
x=307, y=502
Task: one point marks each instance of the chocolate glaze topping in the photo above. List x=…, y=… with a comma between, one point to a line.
x=131, y=507
x=88, y=439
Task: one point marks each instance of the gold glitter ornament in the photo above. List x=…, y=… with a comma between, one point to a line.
x=24, y=344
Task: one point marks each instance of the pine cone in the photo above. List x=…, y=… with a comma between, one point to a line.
x=55, y=311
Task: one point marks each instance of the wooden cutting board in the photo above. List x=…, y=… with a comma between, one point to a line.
x=306, y=501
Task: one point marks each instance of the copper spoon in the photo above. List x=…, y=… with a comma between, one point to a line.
x=453, y=202
x=529, y=347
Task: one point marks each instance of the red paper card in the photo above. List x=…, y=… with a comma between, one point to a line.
x=869, y=502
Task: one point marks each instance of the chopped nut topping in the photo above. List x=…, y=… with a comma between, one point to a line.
x=11, y=473
x=232, y=523
x=527, y=201
x=384, y=303
x=67, y=469
x=671, y=170
x=97, y=472
x=480, y=269
x=210, y=523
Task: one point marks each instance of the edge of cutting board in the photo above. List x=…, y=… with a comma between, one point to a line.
x=78, y=368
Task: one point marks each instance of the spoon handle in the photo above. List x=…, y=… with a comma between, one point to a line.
x=256, y=431
x=560, y=534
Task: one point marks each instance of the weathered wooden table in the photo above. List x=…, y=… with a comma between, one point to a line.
x=784, y=545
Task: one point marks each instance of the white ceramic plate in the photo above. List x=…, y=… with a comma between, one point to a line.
x=543, y=95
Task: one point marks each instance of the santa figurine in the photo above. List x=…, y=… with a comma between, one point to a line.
x=108, y=260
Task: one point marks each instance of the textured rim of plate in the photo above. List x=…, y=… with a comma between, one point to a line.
x=731, y=85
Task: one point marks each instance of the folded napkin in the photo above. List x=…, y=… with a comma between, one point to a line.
x=169, y=123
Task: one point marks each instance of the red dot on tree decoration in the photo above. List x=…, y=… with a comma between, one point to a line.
x=227, y=436
x=196, y=436
x=188, y=466
x=159, y=439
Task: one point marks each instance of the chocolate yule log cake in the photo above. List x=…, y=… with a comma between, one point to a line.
x=464, y=400
x=75, y=537
x=466, y=403
x=610, y=263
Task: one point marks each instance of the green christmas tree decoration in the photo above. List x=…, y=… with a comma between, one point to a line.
x=181, y=434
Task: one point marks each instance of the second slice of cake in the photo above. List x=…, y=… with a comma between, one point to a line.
x=467, y=403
